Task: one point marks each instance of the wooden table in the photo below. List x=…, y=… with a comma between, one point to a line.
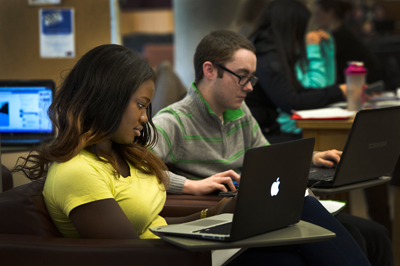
x=329, y=134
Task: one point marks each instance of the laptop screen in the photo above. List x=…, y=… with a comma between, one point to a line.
x=24, y=105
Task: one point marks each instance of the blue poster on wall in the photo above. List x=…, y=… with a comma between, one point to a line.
x=57, y=37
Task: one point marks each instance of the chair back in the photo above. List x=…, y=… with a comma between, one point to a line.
x=168, y=88
x=7, y=178
x=23, y=211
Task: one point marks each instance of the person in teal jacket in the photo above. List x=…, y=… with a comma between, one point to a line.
x=318, y=73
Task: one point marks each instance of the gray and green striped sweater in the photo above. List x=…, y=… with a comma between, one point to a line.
x=194, y=142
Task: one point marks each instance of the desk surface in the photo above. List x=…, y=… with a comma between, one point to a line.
x=302, y=232
x=325, y=124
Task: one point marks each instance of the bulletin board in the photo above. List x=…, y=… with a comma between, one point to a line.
x=19, y=37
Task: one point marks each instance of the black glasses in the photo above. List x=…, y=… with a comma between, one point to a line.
x=243, y=80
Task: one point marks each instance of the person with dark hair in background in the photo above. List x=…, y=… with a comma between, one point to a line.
x=318, y=71
x=279, y=40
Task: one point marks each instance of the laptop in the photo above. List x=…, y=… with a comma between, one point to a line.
x=270, y=196
x=371, y=151
x=23, y=111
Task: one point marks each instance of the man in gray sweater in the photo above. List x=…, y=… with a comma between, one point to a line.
x=203, y=137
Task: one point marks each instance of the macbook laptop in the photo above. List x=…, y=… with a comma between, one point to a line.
x=23, y=111
x=371, y=151
x=270, y=196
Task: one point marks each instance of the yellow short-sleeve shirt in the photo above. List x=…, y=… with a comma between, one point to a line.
x=85, y=179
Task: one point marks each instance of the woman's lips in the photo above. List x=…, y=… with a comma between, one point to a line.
x=138, y=131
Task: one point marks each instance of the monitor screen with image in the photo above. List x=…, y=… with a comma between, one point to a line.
x=24, y=105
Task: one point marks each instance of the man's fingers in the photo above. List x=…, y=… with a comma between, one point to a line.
x=221, y=187
x=226, y=181
x=327, y=163
x=334, y=155
x=229, y=173
x=331, y=158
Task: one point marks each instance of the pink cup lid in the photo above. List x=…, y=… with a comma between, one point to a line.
x=356, y=68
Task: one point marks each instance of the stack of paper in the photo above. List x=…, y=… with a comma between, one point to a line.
x=323, y=113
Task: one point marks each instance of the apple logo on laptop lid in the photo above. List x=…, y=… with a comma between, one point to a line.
x=275, y=187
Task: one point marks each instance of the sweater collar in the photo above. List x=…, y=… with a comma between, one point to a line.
x=229, y=115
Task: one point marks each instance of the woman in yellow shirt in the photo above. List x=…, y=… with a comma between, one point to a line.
x=102, y=177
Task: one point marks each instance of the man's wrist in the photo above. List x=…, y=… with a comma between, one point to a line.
x=188, y=187
x=176, y=183
x=312, y=158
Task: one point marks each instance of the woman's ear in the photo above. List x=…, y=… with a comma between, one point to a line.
x=209, y=71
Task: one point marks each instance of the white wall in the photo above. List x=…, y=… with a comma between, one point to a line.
x=193, y=20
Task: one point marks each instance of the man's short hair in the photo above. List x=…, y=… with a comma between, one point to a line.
x=218, y=46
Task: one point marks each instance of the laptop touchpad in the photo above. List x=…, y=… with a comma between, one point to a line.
x=207, y=222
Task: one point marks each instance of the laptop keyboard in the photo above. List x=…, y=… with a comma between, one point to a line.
x=322, y=175
x=223, y=229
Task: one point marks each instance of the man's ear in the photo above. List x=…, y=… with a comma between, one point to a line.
x=209, y=71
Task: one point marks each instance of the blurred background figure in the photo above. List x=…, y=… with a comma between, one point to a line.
x=331, y=16
x=317, y=71
x=248, y=16
x=281, y=50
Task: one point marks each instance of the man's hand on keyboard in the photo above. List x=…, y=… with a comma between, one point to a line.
x=327, y=159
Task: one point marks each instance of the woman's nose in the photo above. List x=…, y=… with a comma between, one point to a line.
x=143, y=118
